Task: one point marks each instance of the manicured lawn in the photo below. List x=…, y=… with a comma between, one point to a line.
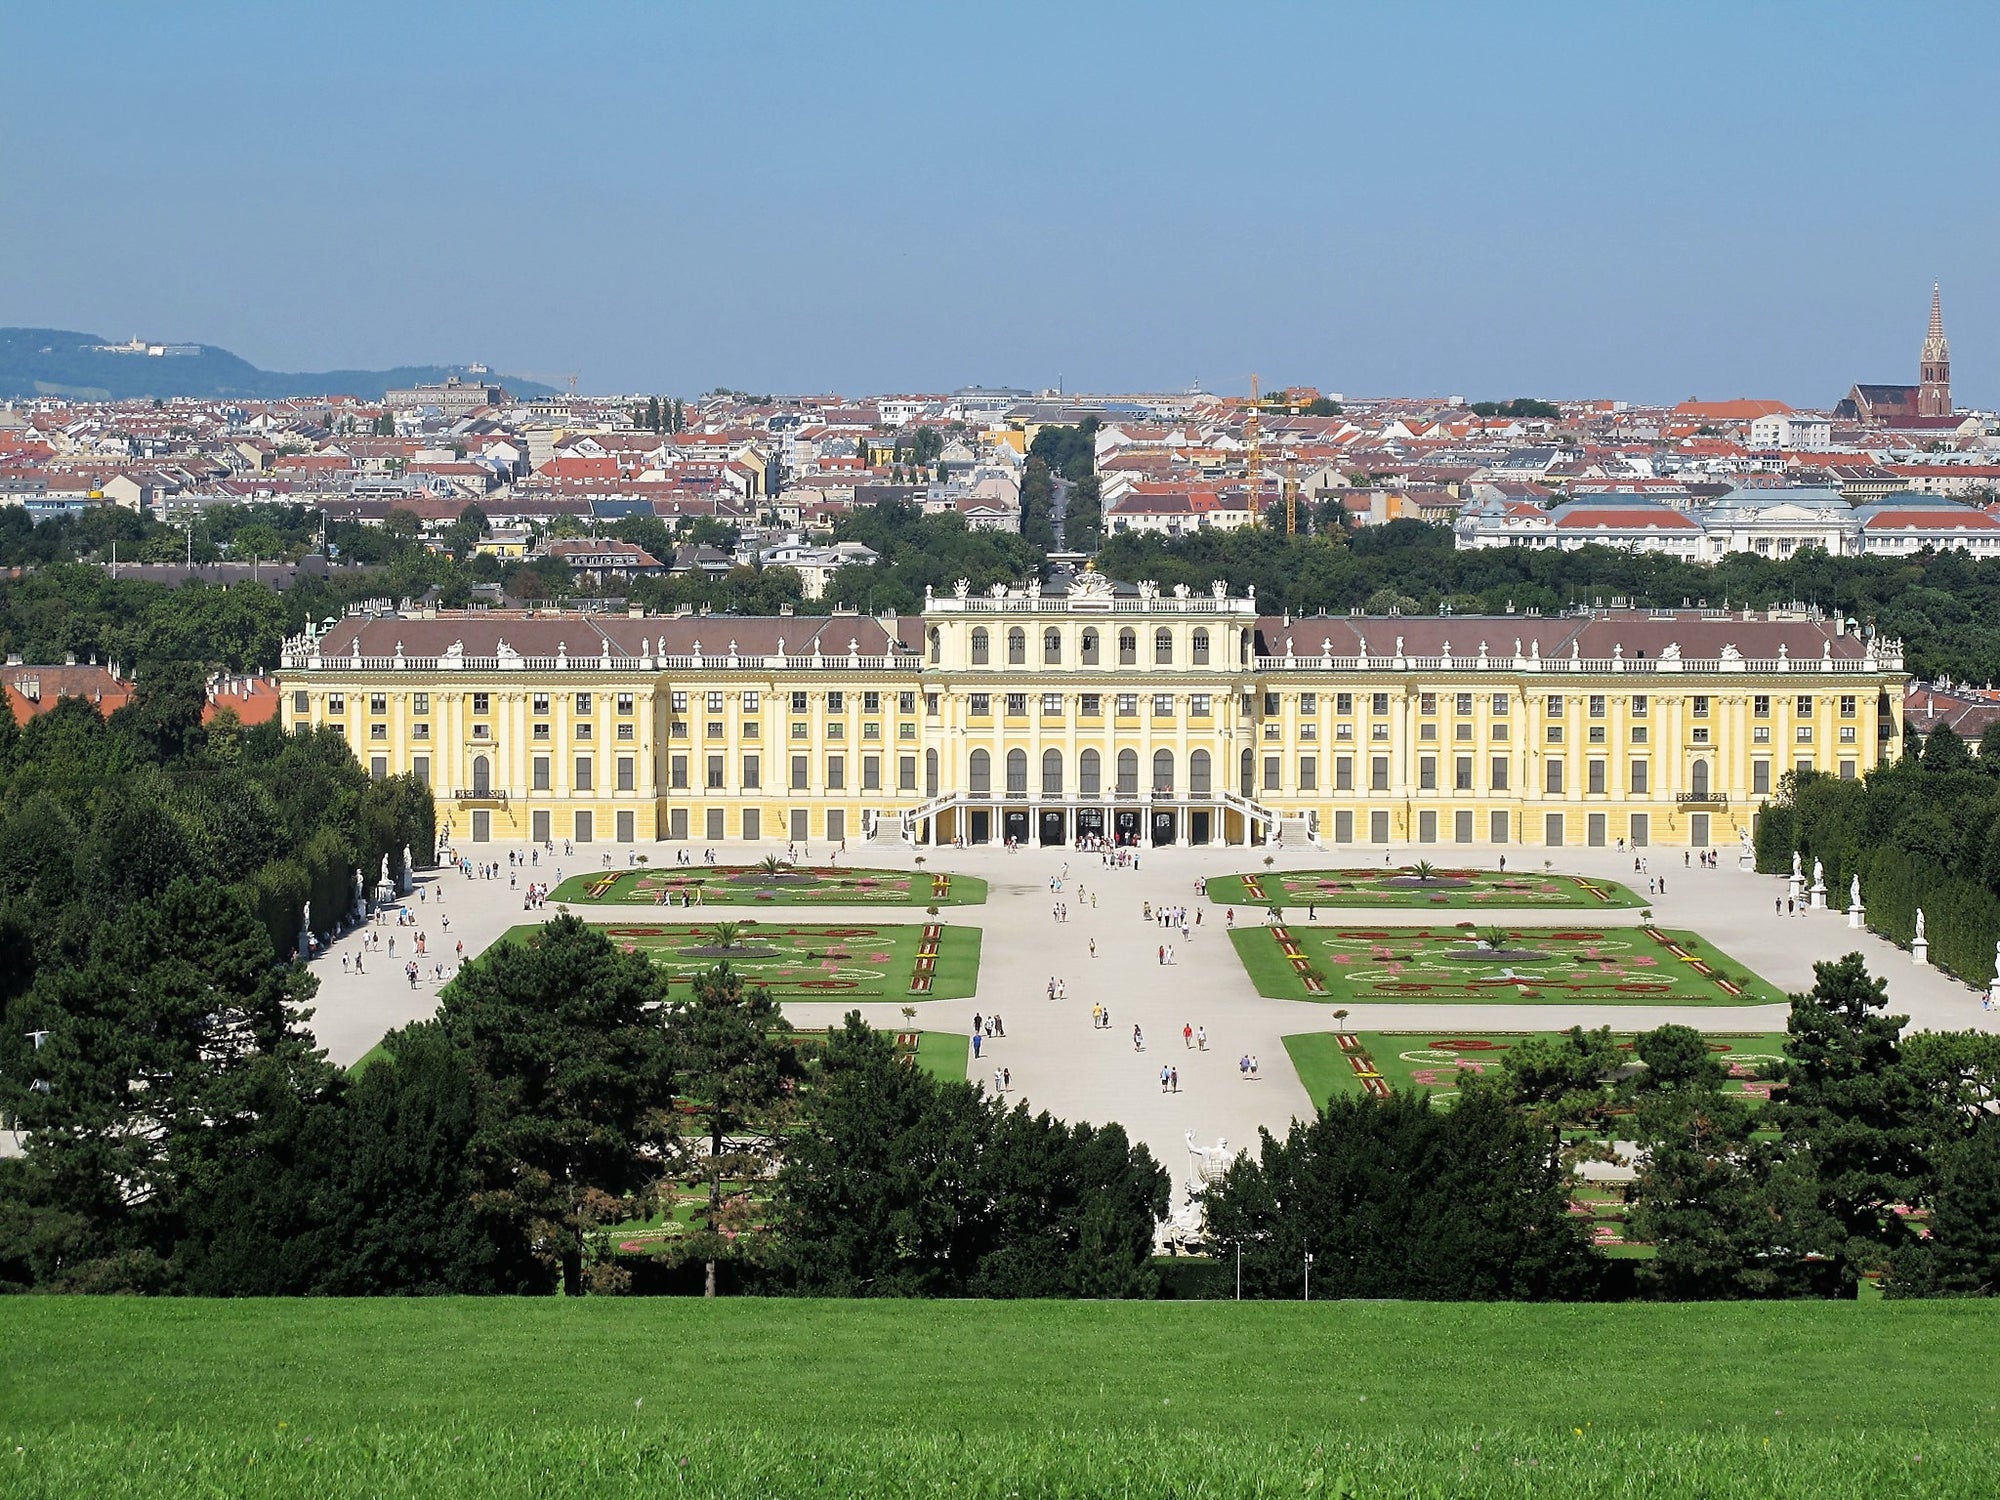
x=1445, y=889
x=1332, y=1063
x=944, y=1053
x=858, y=963
x=748, y=885
x=1344, y=963
x=122, y=1397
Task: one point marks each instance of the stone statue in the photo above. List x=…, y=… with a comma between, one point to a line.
x=1743, y=835
x=1920, y=925
x=1795, y=866
x=385, y=871
x=1819, y=876
x=1854, y=892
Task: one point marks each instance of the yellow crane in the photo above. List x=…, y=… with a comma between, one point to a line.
x=1291, y=495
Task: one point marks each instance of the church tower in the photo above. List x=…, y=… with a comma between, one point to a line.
x=1934, y=375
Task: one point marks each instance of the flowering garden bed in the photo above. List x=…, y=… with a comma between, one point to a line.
x=750, y=885
x=1407, y=886
x=1351, y=965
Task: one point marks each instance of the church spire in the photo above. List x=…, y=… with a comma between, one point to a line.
x=1934, y=372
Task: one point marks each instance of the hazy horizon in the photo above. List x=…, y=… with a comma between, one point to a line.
x=1553, y=200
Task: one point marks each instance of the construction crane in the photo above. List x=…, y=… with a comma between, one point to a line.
x=1253, y=435
x=1291, y=495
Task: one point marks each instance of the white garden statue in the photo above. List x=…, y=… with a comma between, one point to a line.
x=1920, y=926
x=1854, y=892
x=1795, y=866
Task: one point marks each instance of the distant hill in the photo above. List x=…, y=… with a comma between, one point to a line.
x=62, y=362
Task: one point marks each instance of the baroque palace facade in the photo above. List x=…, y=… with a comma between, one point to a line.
x=1086, y=708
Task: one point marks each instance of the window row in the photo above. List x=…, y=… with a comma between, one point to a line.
x=1090, y=651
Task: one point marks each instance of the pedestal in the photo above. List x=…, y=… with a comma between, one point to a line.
x=1854, y=916
x=1746, y=861
x=1920, y=953
x=1796, y=890
x=1993, y=993
x=1819, y=897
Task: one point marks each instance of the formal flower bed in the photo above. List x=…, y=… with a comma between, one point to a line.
x=1414, y=886
x=681, y=886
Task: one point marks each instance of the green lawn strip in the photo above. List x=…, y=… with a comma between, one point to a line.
x=877, y=960
x=375, y=1054
x=1437, y=965
x=945, y=1054
x=127, y=1367
x=816, y=885
x=1408, y=1060
x=1452, y=889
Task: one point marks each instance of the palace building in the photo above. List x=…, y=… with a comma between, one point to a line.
x=1087, y=707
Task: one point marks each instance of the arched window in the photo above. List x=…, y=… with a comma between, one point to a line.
x=1051, y=647
x=1090, y=648
x=1163, y=646
x=1201, y=648
x=1052, y=773
x=937, y=645
x=1017, y=771
x=930, y=773
x=1198, y=773
x=1248, y=773
x=1128, y=773
x=1128, y=648
x=979, y=648
x=1089, y=774
x=482, y=775
x=980, y=780
x=1017, y=647
x=1163, y=770
x=1698, y=779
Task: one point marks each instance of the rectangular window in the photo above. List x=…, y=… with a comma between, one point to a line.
x=1308, y=773
x=378, y=766
x=836, y=773
x=1464, y=703
x=1848, y=734
x=1128, y=705
x=1427, y=773
x=1308, y=703
x=715, y=729
x=1638, y=734
x=538, y=827
x=1378, y=731
x=420, y=703
x=1091, y=705
x=871, y=773
x=1760, y=706
x=1017, y=705
x=336, y=703
x=1597, y=705
x=1343, y=773
x=1427, y=703
x=1051, y=705
x=1271, y=772
x=583, y=731
x=906, y=773
x=1462, y=733
x=1805, y=734
x=1270, y=705
x=1596, y=734
x=583, y=773
x=1553, y=774
x=586, y=831
x=798, y=702
x=836, y=703
x=1461, y=826
x=1760, y=778
x=1462, y=774
x=871, y=703
x=680, y=701
x=1427, y=733
x=981, y=706
x=1642, y=777
x=378, y=703
x=906, y=703
x=1378, y=827
x=753, y=773
x=1427, y=828
x=1198, y=705
x=1642, y=830
x=1555, y=706
x=799, y=773
x=420, y=767
x=1497, y=733
x=628, y=827
x=1555, y=734
x=933, y=704
x=1847, y=705
x=1805, y=705
x=541, y=731
x=1378, y=774
x=1639, y=706
x=1500, y=705
x=1163, y=705
x=540, y=766
x=482, y=703
x=1343, y=827
x=625, y=702
x=715, y=764
x=799, y=731
x=1699, y=736
x=1552, y=830
x=677, y=773
x=753, y=823
x=625, y=781
x=713, y=819
x=378, y=731
x=1499, y=770
x=1497, y=828
x=1380, y=703
x=583, y=702
x=1701, y=705
x=1847, y=770
x=1343, y=703
x=301, y=703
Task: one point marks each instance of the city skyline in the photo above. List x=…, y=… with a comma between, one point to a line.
x=1700, y=204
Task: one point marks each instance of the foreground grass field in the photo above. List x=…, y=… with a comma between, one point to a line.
x=608, y=1399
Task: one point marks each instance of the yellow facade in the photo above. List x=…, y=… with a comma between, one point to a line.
x=1102, y=710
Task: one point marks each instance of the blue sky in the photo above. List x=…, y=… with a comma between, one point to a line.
x=1479, y=199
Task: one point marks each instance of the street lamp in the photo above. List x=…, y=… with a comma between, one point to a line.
x=1309, y=1275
